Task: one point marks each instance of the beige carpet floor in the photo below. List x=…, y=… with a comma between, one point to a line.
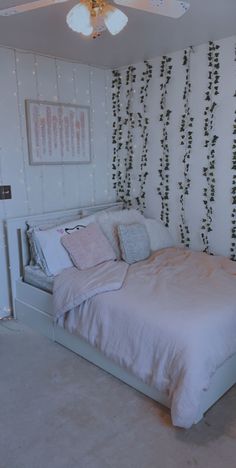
x=59, y=411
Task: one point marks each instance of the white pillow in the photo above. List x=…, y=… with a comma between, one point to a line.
x=159, y=235
x=108, y=222
x=86, y=211
x=55, y=256
x=50, y=223
x=36, y=257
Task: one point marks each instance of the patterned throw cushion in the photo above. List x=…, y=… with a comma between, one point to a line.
x=88, y=247
x=134, y=242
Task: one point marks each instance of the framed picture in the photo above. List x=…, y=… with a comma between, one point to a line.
x=57, y=133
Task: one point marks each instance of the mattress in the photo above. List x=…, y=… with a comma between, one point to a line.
x=36, y=277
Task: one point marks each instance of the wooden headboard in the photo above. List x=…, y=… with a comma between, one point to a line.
x=17, y=242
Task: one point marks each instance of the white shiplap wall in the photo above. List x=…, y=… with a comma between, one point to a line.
x=40, y=189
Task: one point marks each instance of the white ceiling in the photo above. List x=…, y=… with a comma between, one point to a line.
x=145, y=36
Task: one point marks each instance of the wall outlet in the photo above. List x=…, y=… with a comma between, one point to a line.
x=5, y=192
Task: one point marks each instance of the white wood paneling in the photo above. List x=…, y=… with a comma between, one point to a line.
x=12, y=164
x=99, y=138
x=27, y=89
x=40, y=189
x=47, y=90
x=82, y=96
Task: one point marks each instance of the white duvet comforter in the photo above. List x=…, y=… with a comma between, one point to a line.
x=172, y=323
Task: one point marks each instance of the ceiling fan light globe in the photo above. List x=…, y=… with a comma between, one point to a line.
x=87, y=31
x=79, y=20
x=115, y=20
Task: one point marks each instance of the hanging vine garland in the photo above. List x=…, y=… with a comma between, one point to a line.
x=122, y=125
x=210, y=141
x=233, y=190
x=143, y=123
x=163, y=189
x=186, y=138
x=117, y=132
x=233, y=193
x=129, y=121
x=123, y=135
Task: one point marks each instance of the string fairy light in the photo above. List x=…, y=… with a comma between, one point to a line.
x=21, y=116
x=58, y=77
x=93, y=155
x=76, y=100
x=35, y=74
x=109, y=191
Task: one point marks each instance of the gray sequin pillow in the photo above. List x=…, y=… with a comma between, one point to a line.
x=134, y=242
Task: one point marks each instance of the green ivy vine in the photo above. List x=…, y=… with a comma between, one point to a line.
x=210, y=141
x=117, y=133
x=186, y=139
x=143, y=123
x=233, y=192
x=129, y=121
x=122, y=138
x=125, y=122
x=164, y=165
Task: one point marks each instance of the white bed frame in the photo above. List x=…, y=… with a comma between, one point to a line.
x=33, y=307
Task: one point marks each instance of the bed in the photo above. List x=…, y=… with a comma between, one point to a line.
x=33, y=304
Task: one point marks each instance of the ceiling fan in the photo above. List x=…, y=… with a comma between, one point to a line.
x=91, y=17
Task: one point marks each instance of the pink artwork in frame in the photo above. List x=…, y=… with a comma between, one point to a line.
x=58, y=133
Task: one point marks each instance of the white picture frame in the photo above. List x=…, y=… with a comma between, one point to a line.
x=58, y=133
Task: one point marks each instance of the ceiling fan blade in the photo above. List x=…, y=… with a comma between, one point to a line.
x=171, y=8
x=28, y=7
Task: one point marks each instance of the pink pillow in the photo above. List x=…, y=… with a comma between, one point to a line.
x=88, y=247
